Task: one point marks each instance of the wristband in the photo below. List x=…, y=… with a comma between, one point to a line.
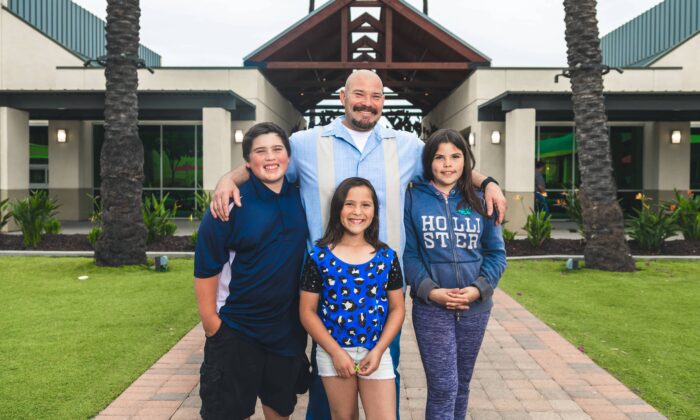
x=487, y=181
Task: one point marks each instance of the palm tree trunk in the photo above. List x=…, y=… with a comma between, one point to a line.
x=606, y=247
x=123, y=238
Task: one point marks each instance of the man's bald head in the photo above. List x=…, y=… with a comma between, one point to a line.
x=363, y=75
x=363, y=99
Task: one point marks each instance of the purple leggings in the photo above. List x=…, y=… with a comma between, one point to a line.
x=448, y=348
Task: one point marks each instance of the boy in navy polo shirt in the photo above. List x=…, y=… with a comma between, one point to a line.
x=247, y=284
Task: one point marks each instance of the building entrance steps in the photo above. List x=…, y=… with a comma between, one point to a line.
x=525, y=371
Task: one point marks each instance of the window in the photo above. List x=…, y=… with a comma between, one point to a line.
x=695, y=160
x=38, y=157
x=172, y=163
x=626, y=146
x=556, y=147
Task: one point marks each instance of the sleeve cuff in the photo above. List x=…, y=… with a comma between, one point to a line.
x=484, y=287
x=424, y=288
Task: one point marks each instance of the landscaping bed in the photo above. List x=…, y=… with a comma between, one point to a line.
x=78, y=242
x=515, y=248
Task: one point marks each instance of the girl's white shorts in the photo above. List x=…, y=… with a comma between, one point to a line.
x=326, y=368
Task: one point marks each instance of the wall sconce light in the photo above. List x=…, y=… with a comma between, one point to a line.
x=676, y=137
x=495, y=137
x=238, y=136
x=471, y=139
x=61, y=135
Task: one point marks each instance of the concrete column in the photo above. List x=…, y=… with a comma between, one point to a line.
x=14, y=155
x=217, y=143
x=672, y=161
x=519, y=179
x=490, y=158
x=70, y=170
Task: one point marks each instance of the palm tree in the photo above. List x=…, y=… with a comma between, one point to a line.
x=123, y=238
x=606, y=247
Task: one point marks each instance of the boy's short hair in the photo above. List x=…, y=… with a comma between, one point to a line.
x=260, y=129
x=539, y=164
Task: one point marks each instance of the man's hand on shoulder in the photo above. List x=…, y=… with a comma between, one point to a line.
x=494, y=198
x=225, y=189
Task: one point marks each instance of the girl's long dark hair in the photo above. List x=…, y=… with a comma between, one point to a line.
x=464, y=184
x=335, y=230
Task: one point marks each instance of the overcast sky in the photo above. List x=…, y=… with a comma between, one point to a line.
x=222, y=32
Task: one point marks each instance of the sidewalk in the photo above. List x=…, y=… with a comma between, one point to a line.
x=525, y=371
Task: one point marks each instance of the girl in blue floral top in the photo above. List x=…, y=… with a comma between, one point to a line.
x=352, y=305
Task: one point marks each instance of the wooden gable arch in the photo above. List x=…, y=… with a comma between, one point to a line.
x=417, y=59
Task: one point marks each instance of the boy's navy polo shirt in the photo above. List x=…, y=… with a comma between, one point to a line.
x=259, y=253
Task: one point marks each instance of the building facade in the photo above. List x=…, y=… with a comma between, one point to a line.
x=657, y=94
x=188, y=117
x=191, y=118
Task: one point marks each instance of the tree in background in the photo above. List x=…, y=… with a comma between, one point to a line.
x=606, y=247
x=123, y=238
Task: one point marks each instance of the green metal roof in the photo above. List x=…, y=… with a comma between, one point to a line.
x=644, y=39
x=71, y=26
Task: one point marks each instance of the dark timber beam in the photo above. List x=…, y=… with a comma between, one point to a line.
x=365, y=42
x=344, y=19
x=273, y=65
x=281, y=42
x=389, y=35
x=387, y=83
x=368, y=19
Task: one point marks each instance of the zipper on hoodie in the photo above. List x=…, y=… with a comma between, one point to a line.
x=454, y=252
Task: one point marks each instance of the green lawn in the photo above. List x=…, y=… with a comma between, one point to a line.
x=69, y=347
x=643, y=327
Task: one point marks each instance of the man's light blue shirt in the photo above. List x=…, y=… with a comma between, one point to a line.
x=323, y=157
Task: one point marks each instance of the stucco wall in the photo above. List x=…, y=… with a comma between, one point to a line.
x=14, y=156
x=28, y=58
x=686, y=55
x=459, y=110
x=70, y=169
x=248, y=83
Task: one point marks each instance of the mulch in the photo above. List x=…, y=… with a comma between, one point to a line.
x=78, y=242
x=522, y=247
x=518, y=247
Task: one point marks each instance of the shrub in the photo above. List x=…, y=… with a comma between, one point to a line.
x=651, y=226
x=202, y=199
x=508, y=235
x=686, y=213
x=94, y=235
x=5, y=213
x=52, y=227
x=34, y=214
x=157, y=218
x=96, y=219
x=572, y=205
x=538, y=227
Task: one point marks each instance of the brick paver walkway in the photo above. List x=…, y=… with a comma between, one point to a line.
x=525, y=371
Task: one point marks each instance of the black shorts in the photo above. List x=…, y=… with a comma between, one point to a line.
x=237, y=371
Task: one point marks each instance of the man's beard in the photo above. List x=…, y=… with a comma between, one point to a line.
x=362, y=126
x=359, y=124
